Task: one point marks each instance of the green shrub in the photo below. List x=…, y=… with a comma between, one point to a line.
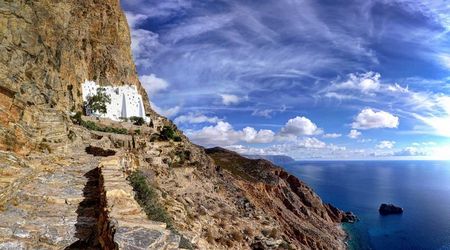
x=185, y=243
x=76, y=119
x=168, y=133
x=72, y=136
x=184, y=155
x=147, y=199
x=97, y=102
x=138, y=121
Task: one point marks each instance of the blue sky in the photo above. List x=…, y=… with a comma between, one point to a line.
x=312, y=79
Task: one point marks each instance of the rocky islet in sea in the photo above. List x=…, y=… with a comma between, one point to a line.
x=387, y=209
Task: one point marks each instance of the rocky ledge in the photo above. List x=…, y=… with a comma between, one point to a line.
x=386, y=209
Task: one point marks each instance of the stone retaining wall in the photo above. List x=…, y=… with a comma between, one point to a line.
x=122, y=223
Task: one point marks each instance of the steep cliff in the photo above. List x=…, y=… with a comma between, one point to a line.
x=48, y=48
x=299, y=212
x=57, y=190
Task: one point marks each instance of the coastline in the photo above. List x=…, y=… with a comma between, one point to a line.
x=355, y=240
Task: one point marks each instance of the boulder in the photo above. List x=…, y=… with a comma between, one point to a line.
x=386, y=209
x=349, y=217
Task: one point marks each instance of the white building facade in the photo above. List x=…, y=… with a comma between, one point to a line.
x=125, y=101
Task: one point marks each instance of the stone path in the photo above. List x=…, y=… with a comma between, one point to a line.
x=53, y=207
x=74, y=202
x=132, y=228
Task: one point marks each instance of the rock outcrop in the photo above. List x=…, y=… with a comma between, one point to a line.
x=386, y=209
x=57, y=189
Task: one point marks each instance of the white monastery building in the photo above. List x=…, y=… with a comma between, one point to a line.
x=125, y=101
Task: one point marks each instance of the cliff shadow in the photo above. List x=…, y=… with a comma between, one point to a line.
x=88, y=213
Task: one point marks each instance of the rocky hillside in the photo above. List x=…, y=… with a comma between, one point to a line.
x=83, y=183
x=275, y=159
x=299, y=213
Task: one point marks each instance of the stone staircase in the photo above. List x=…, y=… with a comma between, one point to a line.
x=75, y=201
x=49, y=209
x=13, y=173
x=52, y=126
x=132, y=228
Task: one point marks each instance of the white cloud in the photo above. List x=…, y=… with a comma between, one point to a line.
x=228, y=99
x=267, y=113
x=354, y=134
x=299, y=126
x=445, y=60
x=144, y=45
x=385, y=145
x=397, y=88
x=440, y=120
x=410, y=151
x=168, y=112
x=332, y=135
x=264, y=113
x=429, y=143
x=135, y=19
x=223, y=134
x=196, y=118
x=338, y=96
x=153, y=84
x=250, y=135
x=157, y=9
x=310, y=143
x=368, y=84
x=305, y=148
x=199, y=25
x=369, y=119
x=364, y=82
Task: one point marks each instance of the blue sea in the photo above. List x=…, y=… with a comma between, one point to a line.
x=421, y=188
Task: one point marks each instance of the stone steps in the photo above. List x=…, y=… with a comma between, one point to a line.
x=54, y=208
x=52, y=125
x=132, y=230
x=58, y=205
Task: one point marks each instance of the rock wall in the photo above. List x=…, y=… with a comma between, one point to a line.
x=48, y=48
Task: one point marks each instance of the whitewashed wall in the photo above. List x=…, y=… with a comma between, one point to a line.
x=125, y=101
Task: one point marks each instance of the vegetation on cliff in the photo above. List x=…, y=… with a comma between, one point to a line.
x=97, y=103
x=147, y=198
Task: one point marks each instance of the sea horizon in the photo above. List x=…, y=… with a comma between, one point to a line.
x=370, y=160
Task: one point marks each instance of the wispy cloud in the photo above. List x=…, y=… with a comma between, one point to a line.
x=247, y=62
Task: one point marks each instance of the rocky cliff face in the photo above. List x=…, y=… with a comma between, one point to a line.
x=48, y=48
x=57, y=190
x=300, y=214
